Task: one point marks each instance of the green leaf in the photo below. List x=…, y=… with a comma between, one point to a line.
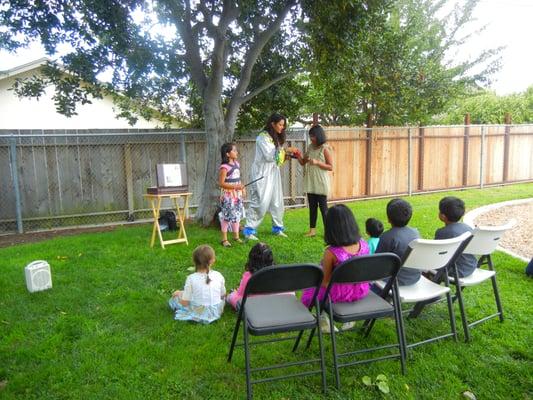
x=367, y=380
x=381, y=377
x=383, y=387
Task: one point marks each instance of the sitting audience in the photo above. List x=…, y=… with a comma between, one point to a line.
x=397, y=239
x=451, y=210
x=374, y=228
x=344, y=241
x=202, y=298
x=260, y=256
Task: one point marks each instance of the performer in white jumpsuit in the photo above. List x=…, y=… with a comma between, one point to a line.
x=267, y=194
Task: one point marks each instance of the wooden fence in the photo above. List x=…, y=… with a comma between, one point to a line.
x=66, y=178
x=392, y=161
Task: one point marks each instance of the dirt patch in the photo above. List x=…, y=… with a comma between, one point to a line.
x=32, y=237
x=519, y=239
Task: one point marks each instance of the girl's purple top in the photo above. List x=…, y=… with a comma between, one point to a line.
x=341, y=292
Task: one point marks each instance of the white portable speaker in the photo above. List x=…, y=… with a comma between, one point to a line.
x=38, y=276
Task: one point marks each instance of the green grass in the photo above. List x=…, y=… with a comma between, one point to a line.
x=104, y=331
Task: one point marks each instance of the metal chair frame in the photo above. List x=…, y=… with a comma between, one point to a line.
x=484, y=242
x=267, y=289
x=357, y=270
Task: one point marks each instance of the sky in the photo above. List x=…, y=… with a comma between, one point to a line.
x=509, y=24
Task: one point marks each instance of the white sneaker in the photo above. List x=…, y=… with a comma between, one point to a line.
x=347, y=326
x=251, y=237
x=324, y=323
x=281, y=233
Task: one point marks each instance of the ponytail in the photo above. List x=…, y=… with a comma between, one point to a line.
x=207, y=278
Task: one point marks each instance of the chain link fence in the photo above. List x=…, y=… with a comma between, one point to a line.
x=55, y=178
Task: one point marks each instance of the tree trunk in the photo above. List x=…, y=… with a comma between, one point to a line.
x=217, y=133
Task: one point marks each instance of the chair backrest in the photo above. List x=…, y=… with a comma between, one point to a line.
x=367, y=268
x=425, y=254
x=486, y=238
x=284, y=278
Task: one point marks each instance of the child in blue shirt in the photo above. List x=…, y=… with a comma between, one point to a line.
x=374, y=228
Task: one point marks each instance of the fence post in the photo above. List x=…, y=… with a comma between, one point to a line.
x=409, y=162
x=506, y=140
x=466, y=142
x=481, y=156
x=183, y=156
x=15, y=176
x=292, y=172
x=368, y=163
x=315, y=119
x=129, y=181
x=421, y=159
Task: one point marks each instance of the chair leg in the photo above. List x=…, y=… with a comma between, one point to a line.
x=249, y=393
x=297, y=342
x=321, y=348
x=402, y=330
x=495, y=290
x=397, y=316
x=464, y=320
x=310, y=339
x=234, y=339
x=452, y=315
x=334, y=350
x=369, y=324
x=497, y=298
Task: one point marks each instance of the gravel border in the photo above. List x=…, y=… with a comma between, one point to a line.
x=523, y=229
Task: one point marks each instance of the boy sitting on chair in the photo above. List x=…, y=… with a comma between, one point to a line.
x=451, y=210
x=397, y=239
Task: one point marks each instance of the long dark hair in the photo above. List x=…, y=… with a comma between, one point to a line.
x=260, y=256
x=341, y=227
x=224, y=150
x=275, y=118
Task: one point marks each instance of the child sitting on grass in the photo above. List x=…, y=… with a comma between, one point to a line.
x=397, y=238
x=202, y=299
x=451, y=210
x=374, y=228
x=260, y=256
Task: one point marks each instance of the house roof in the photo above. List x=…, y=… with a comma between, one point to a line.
x=24, y=68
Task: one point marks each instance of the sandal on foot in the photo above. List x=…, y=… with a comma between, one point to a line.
x=225, y=243
x=238, y=240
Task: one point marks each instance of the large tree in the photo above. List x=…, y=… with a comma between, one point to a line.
x=163, y=52
x=401, y=69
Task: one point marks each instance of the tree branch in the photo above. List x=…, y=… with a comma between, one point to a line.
x=255, y=50
x=189, y=35
x=264, y=87
x=220, y=54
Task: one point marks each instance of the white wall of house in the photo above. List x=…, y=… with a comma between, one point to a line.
x=32, y=113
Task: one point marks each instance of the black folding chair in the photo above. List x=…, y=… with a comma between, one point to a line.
x=364, y=269
x=267, y=309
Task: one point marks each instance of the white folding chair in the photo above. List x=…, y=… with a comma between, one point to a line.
x=423, y=254
x=484, y=242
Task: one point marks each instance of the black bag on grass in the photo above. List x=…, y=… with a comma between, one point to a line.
x=167, y=220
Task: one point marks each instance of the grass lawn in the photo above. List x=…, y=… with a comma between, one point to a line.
x=105, y=332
